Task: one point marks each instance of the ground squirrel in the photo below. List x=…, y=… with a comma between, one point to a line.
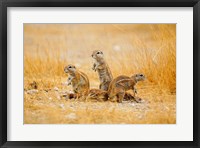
x=121, y=84
x=102, y=95
x=100, y=65
x=78, y=80
x=97, y=95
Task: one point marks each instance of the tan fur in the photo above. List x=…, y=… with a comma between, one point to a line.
x=103, y=70
x=121, y=84
x=78, y=80
x=97, y=95
x=101, y=96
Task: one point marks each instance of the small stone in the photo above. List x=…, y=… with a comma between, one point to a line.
x=65, y=83
x=167, y=108
x=140, y=116
x=70, y=92
x=71, y=116
x=32, y=91
x=58, y=97
x=50, y=98
x=62, y=106
x=56, y=88
x=132, y=104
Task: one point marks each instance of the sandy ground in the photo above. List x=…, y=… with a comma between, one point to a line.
x=49, y=106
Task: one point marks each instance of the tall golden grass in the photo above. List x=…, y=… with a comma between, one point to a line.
x=128, y=49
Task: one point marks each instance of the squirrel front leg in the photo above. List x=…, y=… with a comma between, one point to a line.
x=69, y=80
x=95, y=67
x=76, y=87
x=134, y=90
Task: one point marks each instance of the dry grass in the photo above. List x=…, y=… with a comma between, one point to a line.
x=128, y=48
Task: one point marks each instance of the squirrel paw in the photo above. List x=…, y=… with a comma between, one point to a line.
x=135, y=91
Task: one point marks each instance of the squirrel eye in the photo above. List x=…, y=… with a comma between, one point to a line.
x=141, y=75
x=69, y=67
x=98, y=52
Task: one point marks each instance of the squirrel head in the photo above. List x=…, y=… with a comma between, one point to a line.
x=97, y=54
x=138, y=77
x=70, y=69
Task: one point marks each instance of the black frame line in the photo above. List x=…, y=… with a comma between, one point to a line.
x=4, y=4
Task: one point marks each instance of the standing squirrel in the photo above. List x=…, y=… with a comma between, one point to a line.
x=100, y=65
x=78, y=80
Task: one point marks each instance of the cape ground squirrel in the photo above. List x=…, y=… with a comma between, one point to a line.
x=100, y=65
x=78, y=80
x=97, y=95
x=121, y=84
x=102, y=95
